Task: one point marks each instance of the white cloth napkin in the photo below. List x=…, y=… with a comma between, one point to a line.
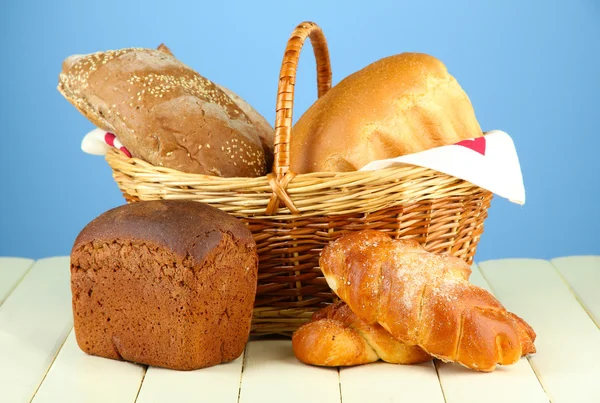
x=490, y=162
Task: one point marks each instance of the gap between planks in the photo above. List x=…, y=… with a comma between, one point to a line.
x=579, y=274
x=437, y=372
x=48, y=369
x=242, y=374
x=137, y=395
x=12, y=272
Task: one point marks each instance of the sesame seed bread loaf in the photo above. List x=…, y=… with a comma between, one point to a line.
x=398, y=105
x=264, y=128
x=164, y=283
x=164, y=112
x=266, y=132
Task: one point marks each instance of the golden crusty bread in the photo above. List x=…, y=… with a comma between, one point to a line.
x=163, y=111
x=398, y=105
x=335, y=336
x=424, y=299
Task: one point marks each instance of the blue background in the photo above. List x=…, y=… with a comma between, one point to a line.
x=530, y=68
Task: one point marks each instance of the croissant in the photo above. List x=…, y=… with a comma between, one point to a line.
x=335, y=336
x=424, y=299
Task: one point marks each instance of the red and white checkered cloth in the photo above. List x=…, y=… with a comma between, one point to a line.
x=99, y=141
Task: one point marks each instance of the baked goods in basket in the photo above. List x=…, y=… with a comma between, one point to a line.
x=164, y=112
x=164, y=283
x=294, y=217
x=395, y=106
x=424, y=299
x=335, y=336
x=264, y=129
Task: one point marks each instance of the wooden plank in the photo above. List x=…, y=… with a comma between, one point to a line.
x=34, y=322
x=273, y=374
x=582, y=274
x=217, y=384
x=90, y=379
x=515, y=383
x=383, y=382
x=12, y=269
x=567, y=361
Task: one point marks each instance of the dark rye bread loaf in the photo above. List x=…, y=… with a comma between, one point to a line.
x=164, y=112
x=164, y=283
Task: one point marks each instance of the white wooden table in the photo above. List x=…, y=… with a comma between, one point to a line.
x=40, y=360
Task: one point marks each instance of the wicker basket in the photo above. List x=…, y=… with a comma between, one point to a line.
x=293, y=216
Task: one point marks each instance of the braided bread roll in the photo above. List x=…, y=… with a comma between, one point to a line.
x=424, y=299
x=335, y=336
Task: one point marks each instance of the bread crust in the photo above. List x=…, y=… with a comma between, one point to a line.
x=163, y=111
x=424, y=299
x=265, y=131
x=335, y=336
x=164, y=283
x=398, y=105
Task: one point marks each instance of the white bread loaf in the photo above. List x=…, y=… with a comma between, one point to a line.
x=398, y=105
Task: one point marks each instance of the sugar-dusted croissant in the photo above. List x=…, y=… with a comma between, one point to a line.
x=335, y=336
x=424, y=299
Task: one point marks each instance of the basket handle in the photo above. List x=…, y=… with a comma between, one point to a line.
x=285, y=90
x=281, y=174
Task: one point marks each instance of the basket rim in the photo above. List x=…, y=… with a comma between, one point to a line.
x=117, y=156
x=413, y=183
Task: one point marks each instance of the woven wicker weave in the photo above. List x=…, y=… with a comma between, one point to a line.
x=293, y=216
